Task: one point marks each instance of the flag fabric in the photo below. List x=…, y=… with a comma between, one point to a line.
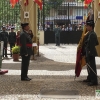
x=80, y=60
x=87, y=3
x=39, y=3
x=13, y=3
x=26, y=2
x=99, y=2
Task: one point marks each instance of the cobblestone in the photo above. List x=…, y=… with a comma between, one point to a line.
x=52, y=70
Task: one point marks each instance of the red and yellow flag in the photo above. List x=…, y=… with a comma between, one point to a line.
x=80, y=60
x=99, y=2
x=13, y=3
x=39, y=2
x=86, y=3
x=26, y=2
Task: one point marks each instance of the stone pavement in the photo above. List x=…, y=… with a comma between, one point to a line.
x=53, y=70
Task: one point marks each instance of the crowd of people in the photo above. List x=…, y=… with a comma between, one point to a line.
x=88, y=51
x=69, y=27
x=23, y=39
x=72, y=27
x=12, y=38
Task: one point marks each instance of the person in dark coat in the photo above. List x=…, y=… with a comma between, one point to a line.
x=25, y=51
x=12, y=38
x=4, y=38
x=89, y=50
x=57, y=31
x=18, y=38
x=31, y=35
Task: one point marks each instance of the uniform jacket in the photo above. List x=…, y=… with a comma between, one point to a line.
x=57, y=32
x=4, y=36
x=24, y=40
x=90, y=43
x=12, y=37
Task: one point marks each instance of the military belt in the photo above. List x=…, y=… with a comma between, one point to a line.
x=28, y=45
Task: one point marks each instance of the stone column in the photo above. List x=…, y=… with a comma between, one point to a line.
x=97, y=24
x=32, y=20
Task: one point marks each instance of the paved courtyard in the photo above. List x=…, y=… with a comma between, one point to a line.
x=53, y=70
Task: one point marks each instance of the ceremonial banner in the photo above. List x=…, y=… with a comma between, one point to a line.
x=88, y=1
x=39, y=2
x=13, y=3
x=85, y=5
x=80, y=60
x=26, y=2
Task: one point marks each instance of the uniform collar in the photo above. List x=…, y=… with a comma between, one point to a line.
x=91, y=31
x=25, y=31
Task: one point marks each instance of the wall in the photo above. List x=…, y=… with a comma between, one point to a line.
x=41, y=37
x=97, y=24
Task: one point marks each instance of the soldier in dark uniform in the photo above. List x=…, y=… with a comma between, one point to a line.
x=57, y=31
x=4, y=38
x=89, y=50
x=25, y=51
x=12, y=38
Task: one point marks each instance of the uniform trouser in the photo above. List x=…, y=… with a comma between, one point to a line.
x=91, y=75
x=24, y=66
x=5, y=50
x=11, y=45
x=57, y=40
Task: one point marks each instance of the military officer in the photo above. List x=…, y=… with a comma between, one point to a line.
x=12, y=38
x=25, y=51
x=90, y=41
x=57, y=31
x=4, y=38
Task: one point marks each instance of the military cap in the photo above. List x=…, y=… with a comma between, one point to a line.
x=90, y=22
x=24, y=24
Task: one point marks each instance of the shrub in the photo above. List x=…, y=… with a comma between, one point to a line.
x=16, y=50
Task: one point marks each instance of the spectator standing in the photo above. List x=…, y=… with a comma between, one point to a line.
x=12, y=38
x=89, y=50
x=18, y=38
x=25, y=51
x=57, y=31
x=4, y=38
x=31, y=35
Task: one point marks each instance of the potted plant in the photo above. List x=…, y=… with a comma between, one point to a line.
x=15, y=52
